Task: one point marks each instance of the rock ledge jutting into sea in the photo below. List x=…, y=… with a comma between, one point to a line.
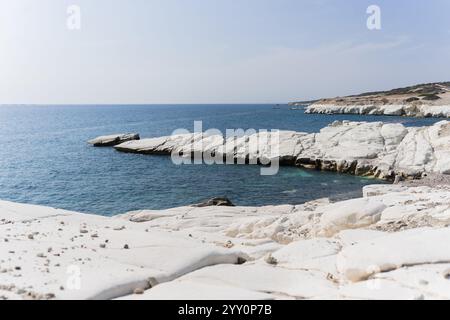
x=382, y=150
x=390, y=244
x=112, y=140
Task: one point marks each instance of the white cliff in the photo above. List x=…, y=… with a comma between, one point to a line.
x=422, y=100
x=421, y=111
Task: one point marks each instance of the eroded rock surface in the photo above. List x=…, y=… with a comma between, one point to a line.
x=368, y=149
x=421, y=111
x=423, y=100
x=390, y=244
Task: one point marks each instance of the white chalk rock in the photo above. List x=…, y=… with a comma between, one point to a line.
x=438, y=111
x=191, y=290
x=350, y=214
x=67, y=255
x=315, y=254
x=281, y=283
x=112, y=140
x=361, y=148
x=390, y=252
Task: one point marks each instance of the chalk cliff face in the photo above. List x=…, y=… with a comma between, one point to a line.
x=425, y=100
x=368, y=149
x=423, y=111
x=390, y=244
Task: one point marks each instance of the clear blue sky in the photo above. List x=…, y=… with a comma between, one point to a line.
x=216, y=51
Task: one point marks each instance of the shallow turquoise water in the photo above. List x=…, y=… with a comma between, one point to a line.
x=44, y=158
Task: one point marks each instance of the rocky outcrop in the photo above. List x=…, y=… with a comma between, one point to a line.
x=112, y=140
x=215, y=202
x=423, y=100
x=367, y=149
x=422, y=111
x=390, y=244
x=47, y=253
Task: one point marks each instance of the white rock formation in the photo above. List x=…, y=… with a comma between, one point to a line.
x=369, y=149
x=390, y=244
x=407, y=110
x=112, y=140
x=49, y=253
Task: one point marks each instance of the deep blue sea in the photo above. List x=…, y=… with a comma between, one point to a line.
x=45, y=160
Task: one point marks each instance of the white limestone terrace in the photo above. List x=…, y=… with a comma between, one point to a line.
x=381, y=150
x=422, y=100
x=390, y=244
x=407, y=110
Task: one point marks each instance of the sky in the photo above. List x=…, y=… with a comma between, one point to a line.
x=216, y=51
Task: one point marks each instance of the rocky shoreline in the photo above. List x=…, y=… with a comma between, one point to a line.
x=385, y=151
x=420, y=111
x=390, y=244
x=422, y=100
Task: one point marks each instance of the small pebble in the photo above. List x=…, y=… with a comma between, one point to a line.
x=139, y=291
x=50, y=296
x=271, y=260
x=447, y=275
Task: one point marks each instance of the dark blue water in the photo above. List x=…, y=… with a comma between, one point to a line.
x=44, y=158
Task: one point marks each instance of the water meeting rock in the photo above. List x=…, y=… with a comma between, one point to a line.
x=112, y=140
x=373, y=149
x=393, y=239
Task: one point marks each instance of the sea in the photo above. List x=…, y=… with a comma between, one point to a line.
x=45, y=158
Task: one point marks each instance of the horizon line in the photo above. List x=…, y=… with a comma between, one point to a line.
x=141, y=104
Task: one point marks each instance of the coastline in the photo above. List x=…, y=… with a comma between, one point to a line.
x=372, y=149
x=214, y=159
x=390, y=244
x=419, y=111
x=428, y=100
